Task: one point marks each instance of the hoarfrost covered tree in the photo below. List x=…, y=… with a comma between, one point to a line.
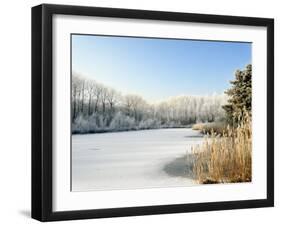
x=240, y=95
x=76, y=92
x=103, y=98
x=90, y=94
x=97, y=108
x=113, y=98
x=97, y=94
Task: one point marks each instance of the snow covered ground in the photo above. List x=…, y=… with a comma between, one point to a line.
x=131, y=160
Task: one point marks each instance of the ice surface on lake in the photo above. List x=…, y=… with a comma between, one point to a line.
x=129, y=160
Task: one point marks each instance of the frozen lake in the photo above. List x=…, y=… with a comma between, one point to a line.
x=133, y=159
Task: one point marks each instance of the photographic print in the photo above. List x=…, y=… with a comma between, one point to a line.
x=140, y=112
x=158, y=112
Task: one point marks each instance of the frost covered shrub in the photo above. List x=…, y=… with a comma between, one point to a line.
x=80, y=125
x=93, y=126
x=149, y=124
x=122, y=122
x=101, y=122
x=84, y=124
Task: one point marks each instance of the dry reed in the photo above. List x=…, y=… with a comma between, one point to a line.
x=207, y=128
x=225, y=158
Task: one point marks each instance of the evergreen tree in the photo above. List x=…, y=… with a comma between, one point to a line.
x=240, y=96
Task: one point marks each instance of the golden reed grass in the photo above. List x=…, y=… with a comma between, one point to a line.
x=225, y=157
x=207, y=128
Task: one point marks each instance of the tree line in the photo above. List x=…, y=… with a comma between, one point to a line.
x=98, y=108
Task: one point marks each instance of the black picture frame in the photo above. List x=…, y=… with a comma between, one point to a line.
x=42, y=111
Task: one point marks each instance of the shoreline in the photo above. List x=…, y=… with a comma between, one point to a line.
x=127, y=130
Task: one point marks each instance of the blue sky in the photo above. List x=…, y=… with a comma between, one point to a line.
x=159, y=68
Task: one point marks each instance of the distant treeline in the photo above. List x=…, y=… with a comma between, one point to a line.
x=97, y=108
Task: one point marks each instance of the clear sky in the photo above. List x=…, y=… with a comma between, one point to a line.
x=159, y=68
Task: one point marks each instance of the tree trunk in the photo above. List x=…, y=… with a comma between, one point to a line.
x=89, y=105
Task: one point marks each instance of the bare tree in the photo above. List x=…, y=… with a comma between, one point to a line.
x=112, y=97
x=128, y=102
x=135, y=105
x=76, y=90
x=91, y=85
x=103, y=97
x=97, y=95
x=82, y=95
